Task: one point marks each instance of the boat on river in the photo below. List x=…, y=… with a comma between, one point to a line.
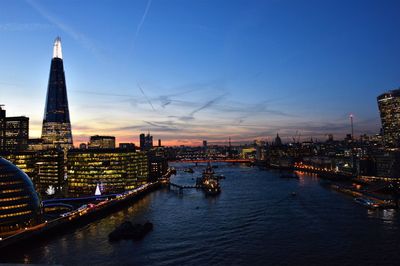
x=366, y=202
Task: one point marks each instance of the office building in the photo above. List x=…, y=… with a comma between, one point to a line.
x=114, y=170
x=49, y=172
x=389, y=109
x=14, y=132
x=102, y=142
x=56, y=130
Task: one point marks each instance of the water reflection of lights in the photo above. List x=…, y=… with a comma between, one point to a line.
x=27, y=259
x=387, y=215
x=302, y=177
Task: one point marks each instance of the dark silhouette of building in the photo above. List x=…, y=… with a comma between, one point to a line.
x=56, y=130
x=127, y=146
x=278, y=141
x=14, y=132
x=146, y=142
x=19, y=202
x=389, y=109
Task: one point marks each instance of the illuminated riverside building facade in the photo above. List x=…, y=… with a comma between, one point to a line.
x=14, y=132
x=19, y=202
x=56, y=130
x=389, y=109
x=45, y=168
x=49, y=172
x=113, y=170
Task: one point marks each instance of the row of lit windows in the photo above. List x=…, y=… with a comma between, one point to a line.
x=15, y=214
x=14, y=198
x=10, y=183
x=13, y=206
x=10, y=191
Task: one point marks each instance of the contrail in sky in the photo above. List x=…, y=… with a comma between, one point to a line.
x=147, y=98
x=207, y=104
x=139, y=26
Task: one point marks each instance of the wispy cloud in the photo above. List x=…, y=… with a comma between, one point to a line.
x=81, y=38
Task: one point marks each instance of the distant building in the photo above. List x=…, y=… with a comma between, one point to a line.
x=127, y=146
x=102, y=142
x=56, y=129
x=158, y=166
x=389, y=109
x=278, y=141
x=14, y=132
x=114, y=170
x=205, y=148
x=146, y=142
x=19, y=202
x=35, y=144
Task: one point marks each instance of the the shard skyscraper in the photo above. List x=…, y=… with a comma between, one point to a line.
x=56, y=130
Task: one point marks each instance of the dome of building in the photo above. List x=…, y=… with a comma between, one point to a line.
x=19, y=202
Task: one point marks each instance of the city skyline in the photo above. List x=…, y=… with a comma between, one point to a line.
x=246, y=71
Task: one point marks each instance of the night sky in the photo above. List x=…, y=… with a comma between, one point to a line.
x=193, y=70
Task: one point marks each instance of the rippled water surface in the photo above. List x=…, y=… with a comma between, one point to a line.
x=254, y=221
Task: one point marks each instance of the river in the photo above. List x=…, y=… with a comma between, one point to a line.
x=254, y=221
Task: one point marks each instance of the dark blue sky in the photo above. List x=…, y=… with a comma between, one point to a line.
x=206, y=69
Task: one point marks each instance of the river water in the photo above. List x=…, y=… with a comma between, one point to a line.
x=254, y=221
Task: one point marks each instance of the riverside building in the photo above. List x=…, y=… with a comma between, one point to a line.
x=111, y=170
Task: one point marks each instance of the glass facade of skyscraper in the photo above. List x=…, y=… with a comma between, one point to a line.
x=389, y=108
x=56, y=130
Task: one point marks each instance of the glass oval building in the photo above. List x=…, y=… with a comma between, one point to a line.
x=19, y=202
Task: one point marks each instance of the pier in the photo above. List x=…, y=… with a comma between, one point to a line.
x=182, y=187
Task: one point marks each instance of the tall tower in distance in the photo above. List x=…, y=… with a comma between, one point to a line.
x=56, y=129
x=389, y=109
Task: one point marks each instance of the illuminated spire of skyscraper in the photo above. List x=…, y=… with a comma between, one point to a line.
x=56, y=130
x=57, y=53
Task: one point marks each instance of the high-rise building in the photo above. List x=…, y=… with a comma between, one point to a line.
x=146, y=142
x=14, y=132
x=389, y=108
x=56, y=130
x=102, y=142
